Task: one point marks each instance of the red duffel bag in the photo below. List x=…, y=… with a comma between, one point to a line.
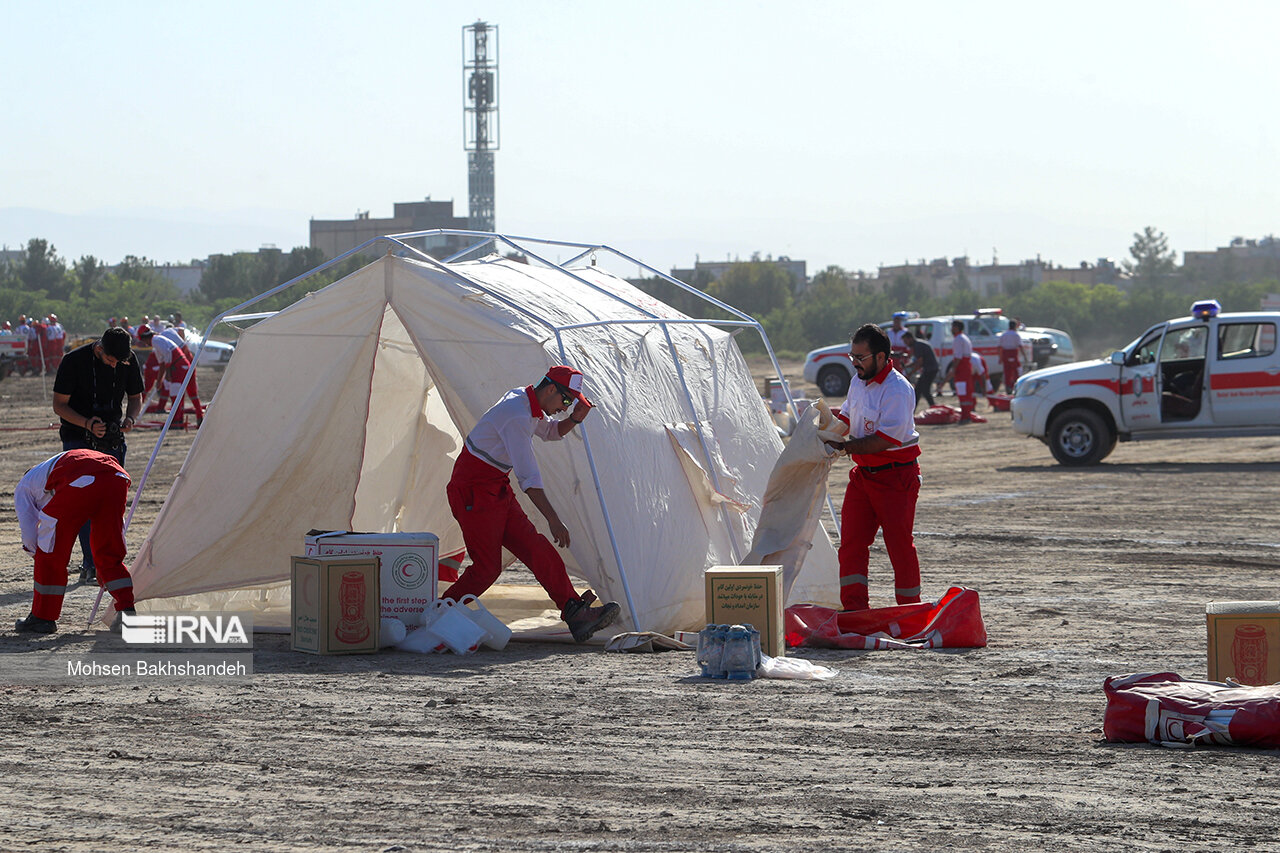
x=937, y=415
x=1162, y=708
x=952, y=622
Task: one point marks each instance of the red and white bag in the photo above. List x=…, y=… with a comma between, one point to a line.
x=1163, y=708
x=952, y=622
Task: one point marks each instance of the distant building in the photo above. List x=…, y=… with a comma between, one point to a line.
x=940, y=276
x=1244, y=261
x=185, y=277
x=1104, y=271
x=717, y=269
x=335, y=236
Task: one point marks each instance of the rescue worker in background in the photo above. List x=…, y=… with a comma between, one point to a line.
x=481, y=498
x=961, y=371
x=1011, y=355
x=36, y=347
x=168, y=365
x=899, y=349
x=885, y=482
x=23, y=365
x=925, y=360
x=54, y=499
x=88, y=391
x=55, y=343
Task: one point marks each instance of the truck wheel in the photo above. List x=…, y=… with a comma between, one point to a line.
x=833, y=381
x=1080, y=437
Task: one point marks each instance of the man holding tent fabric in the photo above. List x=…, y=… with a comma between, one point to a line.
x=885, y=482
x=481, y=498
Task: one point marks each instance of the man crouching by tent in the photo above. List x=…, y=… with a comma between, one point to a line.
x=482, y=501
x=54, y=499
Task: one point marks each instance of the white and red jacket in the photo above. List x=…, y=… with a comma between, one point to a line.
x=885, y=406
x=503, y=437
x=32, y=495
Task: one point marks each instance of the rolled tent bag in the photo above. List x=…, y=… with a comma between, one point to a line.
x=952, y=622
x=1165, y=709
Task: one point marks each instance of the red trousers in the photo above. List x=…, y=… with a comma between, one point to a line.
x=481, y=499
x=101, y=502
x=964, y=388
x=885, y=501
x=172, y=374
x=1011, y=365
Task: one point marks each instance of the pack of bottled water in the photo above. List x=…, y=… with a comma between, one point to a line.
x=729, y=651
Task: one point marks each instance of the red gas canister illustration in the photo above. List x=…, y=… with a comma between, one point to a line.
x=1249, y=654
x=354, y=627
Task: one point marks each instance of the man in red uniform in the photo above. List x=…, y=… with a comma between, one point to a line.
x=482, y=501
x=885, y=483
x=53, y=500
x=962, y=371
x=1011, y=355
x=168, y=364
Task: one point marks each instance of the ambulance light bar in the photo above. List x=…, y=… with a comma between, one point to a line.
x=1205, y=309
x=979, y=312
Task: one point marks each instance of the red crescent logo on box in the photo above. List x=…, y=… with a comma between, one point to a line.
x=868, y=426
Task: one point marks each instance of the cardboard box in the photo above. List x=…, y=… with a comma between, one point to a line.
x=335, y=604
x=410, y=566
x=748, y=595
x=1244, y=641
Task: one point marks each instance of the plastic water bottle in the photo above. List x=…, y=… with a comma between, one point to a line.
x=755, y=644
x=711, y=650
x=739, y=660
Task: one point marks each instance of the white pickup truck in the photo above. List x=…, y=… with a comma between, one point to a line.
x=1210, y=375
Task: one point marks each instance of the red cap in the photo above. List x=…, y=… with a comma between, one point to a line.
x=567, y=377
x=144, y=330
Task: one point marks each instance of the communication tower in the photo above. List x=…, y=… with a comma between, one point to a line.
x=480, y=117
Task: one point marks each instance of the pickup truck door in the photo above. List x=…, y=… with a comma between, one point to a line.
x=1139, y=385
x=1244, y=379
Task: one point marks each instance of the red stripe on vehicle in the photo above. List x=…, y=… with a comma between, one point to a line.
x=1252, y=379
x=1111, y=385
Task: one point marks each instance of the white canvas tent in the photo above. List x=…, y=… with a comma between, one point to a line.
x=347, y=409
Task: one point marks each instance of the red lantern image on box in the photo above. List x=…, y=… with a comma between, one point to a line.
x=354, y=627
x=1249, y=654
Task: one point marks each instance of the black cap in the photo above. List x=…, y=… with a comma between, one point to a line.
x=115, y=343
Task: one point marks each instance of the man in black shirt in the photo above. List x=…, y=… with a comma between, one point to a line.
x=90, y=387
x=922, y=354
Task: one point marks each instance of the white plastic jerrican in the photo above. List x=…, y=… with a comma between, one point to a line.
x=391, y=631
x=422, y=641
x=496, y=634
x=451, y=624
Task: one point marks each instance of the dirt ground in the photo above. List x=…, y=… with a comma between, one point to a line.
x=1083, y=574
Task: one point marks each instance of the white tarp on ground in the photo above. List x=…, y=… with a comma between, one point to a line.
x=346, y=411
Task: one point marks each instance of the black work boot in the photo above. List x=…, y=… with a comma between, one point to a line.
x=88, y=573
x=33, y=624
x=584, y=620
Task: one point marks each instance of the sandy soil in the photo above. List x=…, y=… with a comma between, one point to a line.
x=1083, y=574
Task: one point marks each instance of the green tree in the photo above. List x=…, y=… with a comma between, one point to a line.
x=1154, y=264
x=42, y=270
x=89, y=273
x=905, y=290
x=756, y=287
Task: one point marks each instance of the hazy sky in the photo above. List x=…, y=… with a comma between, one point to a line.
x=849, y=133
